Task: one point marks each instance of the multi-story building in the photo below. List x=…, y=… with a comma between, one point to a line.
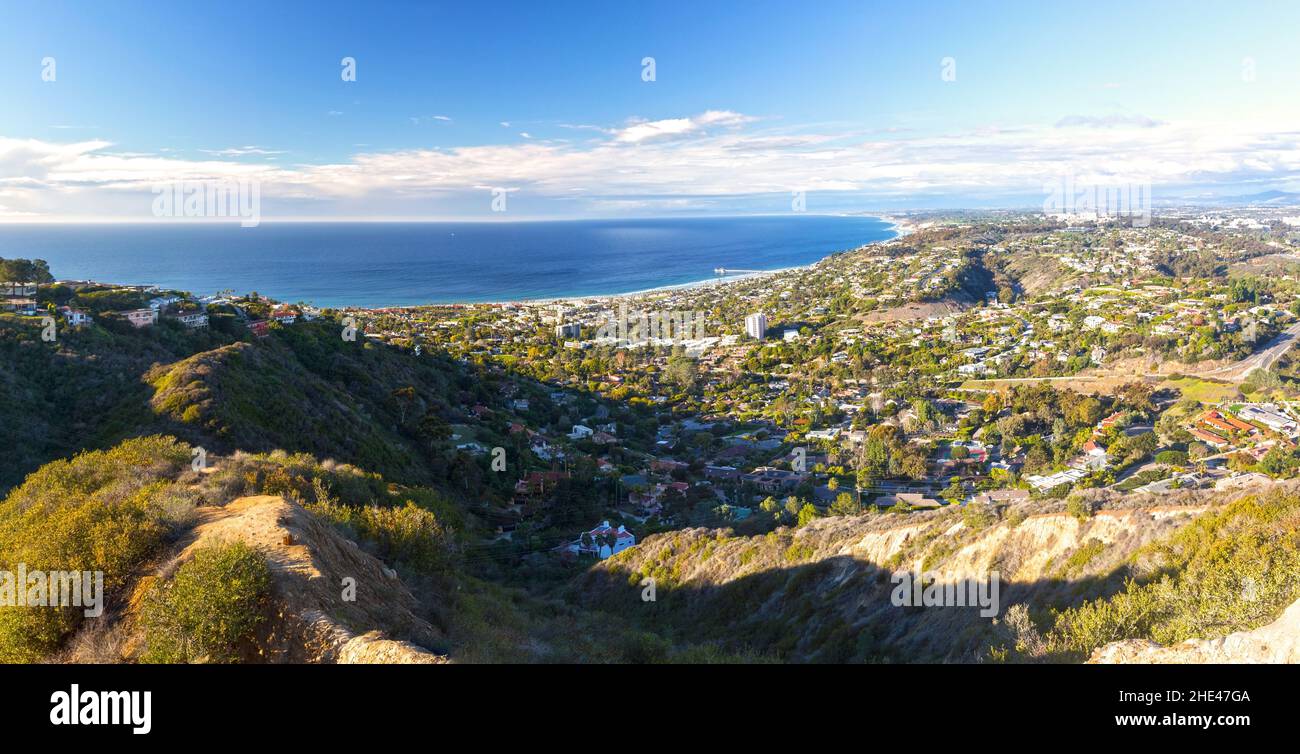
x=141, y=317
x=756, y=326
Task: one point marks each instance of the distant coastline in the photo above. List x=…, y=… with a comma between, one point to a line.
x=897, y=226
x=400, y=265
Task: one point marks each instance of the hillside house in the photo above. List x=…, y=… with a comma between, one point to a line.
x=602, y=541
x=141, y=317
x=74, y=317
x=910, y=499
x=769, y=479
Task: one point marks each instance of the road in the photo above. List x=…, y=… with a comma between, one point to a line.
x=1237, y=371
x=1263, y=359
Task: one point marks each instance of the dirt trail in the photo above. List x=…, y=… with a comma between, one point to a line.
x=309, y=561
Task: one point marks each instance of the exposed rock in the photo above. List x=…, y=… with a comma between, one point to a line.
x=372, y=648
x=831, y=581
x=1278, y=642
x=309, y=561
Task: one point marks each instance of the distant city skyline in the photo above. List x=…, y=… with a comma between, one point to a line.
x=513, y=111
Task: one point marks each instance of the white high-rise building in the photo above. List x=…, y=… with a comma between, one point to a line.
x=756, y=326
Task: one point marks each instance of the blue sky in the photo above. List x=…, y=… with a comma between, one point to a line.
x=545, y=101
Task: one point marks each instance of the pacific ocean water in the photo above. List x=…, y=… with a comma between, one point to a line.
x=407, y=263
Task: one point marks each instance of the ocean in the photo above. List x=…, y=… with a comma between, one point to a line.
x=402, y=264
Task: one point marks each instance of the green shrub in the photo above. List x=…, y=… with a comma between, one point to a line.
x=208, y=611
x=105, y=511
x=1230, y=570
x=978, y=516
x=1079, y=508
x=1172, y=458
x=1081, y=557
x=408, y=535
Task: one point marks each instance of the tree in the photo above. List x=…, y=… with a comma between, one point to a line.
x=434, y=430
x=865, y=479
x=955, y=491
x=1172, y=458
x=404, y=398
x=845, y=505
x=25, y=271
x=807, y=513
x=1278, y=462
x=682, y=372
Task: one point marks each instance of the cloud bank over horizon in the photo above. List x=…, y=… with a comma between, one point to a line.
x=708, y=162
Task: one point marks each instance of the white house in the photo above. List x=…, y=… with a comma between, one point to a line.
x=17, y=290
x=1095, y=456
x=603, y=541
x=74, y=317
x=162, y=302
x=580, y=431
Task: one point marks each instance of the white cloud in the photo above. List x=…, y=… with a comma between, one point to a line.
x=1107, y=121
x=648, y=130
x=241, y=151
x=666, y=164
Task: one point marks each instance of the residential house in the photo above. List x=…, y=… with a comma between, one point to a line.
x=17, y=290
x=602, y=541
x=910, y=499
x=1095, y=456
x=24, y=306
x=534, y=488
x=1269, y=416
x=141, y=317
x=1001, y=497
x=74, y=317
x=770, y=479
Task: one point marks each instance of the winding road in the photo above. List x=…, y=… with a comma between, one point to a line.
x=1263, y=359
x=1237, y=371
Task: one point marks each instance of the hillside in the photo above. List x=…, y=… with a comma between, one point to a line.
x=299, y=389
x=268, y=542
x=259, y=397
x=83, y=391
x=1070, y=581
x=246, y=561
x=1278, y=642
x=307, y=619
